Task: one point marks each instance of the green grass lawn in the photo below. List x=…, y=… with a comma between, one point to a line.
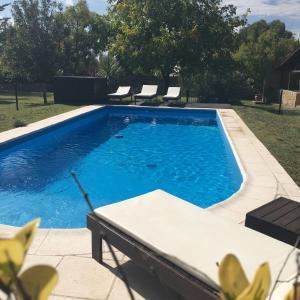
x=31, y=109
x=279, y=133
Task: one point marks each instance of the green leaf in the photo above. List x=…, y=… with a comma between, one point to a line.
x=39, y=281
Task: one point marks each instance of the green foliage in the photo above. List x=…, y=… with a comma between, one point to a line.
x=35, y=283
x=202, y=41
x=43, y=40
x=189, y=35
x=30, y=41
x=262, y=47
x=2, y=8
x=222, y=83
x=85, y=36
x=3, y=25
x=19, y=123
x=109, y=68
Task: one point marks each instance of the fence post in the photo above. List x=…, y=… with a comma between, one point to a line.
x=187, y=96
x=16, y=94
x=280, y=102
x=45, y=93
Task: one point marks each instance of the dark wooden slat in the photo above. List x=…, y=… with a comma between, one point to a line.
x=276, y=214
x=265, y=209
x=290, y=217
x=294, y=226
x=279, y=219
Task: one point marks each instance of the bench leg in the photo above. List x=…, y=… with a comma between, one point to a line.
x=97, y=247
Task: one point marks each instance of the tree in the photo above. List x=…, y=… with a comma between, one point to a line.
x=262, y=47
x=2, y=8
x=30, y=41
x=110, y=68
x=3, y=26
x=85, y=36
x=148, y=38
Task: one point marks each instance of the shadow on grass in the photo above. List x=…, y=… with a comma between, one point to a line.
x=119, y=102
x=151, y=103
x=176, y=104
x=38, y=104
x=5, y=102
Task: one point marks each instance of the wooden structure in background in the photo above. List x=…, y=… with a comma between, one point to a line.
x=80, y=90
x=290, y=72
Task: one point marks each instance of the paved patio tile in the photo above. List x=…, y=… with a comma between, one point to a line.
x=292, y=189
x=106, y=253
x=66, y=242
x=33, y=260
x=258, y=178
x=268, y=181
x=281, y=190
x=253, y=173
x=81, y=277
x=228, y=214
x=295, y=198
x=38, y=240
x=230, y=122
x=284, y=178
x=256, y=168
x=238, y=133
x=55, y=297
x=258, y=192
x=243, y=205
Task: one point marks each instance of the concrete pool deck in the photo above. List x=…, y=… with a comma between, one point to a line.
x=69, y=250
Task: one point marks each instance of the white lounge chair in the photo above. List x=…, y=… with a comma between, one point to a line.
x=181, y=243
x=148, y=92
x=172, y=94
x=122, y=92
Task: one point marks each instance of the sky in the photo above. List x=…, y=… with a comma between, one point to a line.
x=285, y=10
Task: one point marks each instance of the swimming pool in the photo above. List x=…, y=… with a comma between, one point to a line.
x=117, y=153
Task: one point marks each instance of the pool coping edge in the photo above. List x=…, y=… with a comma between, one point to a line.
x=266, y=177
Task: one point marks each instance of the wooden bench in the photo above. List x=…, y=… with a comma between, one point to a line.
x=279, y=219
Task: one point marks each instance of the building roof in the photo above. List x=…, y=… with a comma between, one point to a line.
x=291, y=62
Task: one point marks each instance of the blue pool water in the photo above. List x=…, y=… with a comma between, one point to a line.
x=117, y=153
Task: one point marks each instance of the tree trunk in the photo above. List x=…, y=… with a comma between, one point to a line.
x=45, y=97
x=188, y=95
x=280, y=102
x=16, y=93
x=263, y=93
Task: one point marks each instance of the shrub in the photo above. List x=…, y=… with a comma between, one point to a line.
x=19, y=123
